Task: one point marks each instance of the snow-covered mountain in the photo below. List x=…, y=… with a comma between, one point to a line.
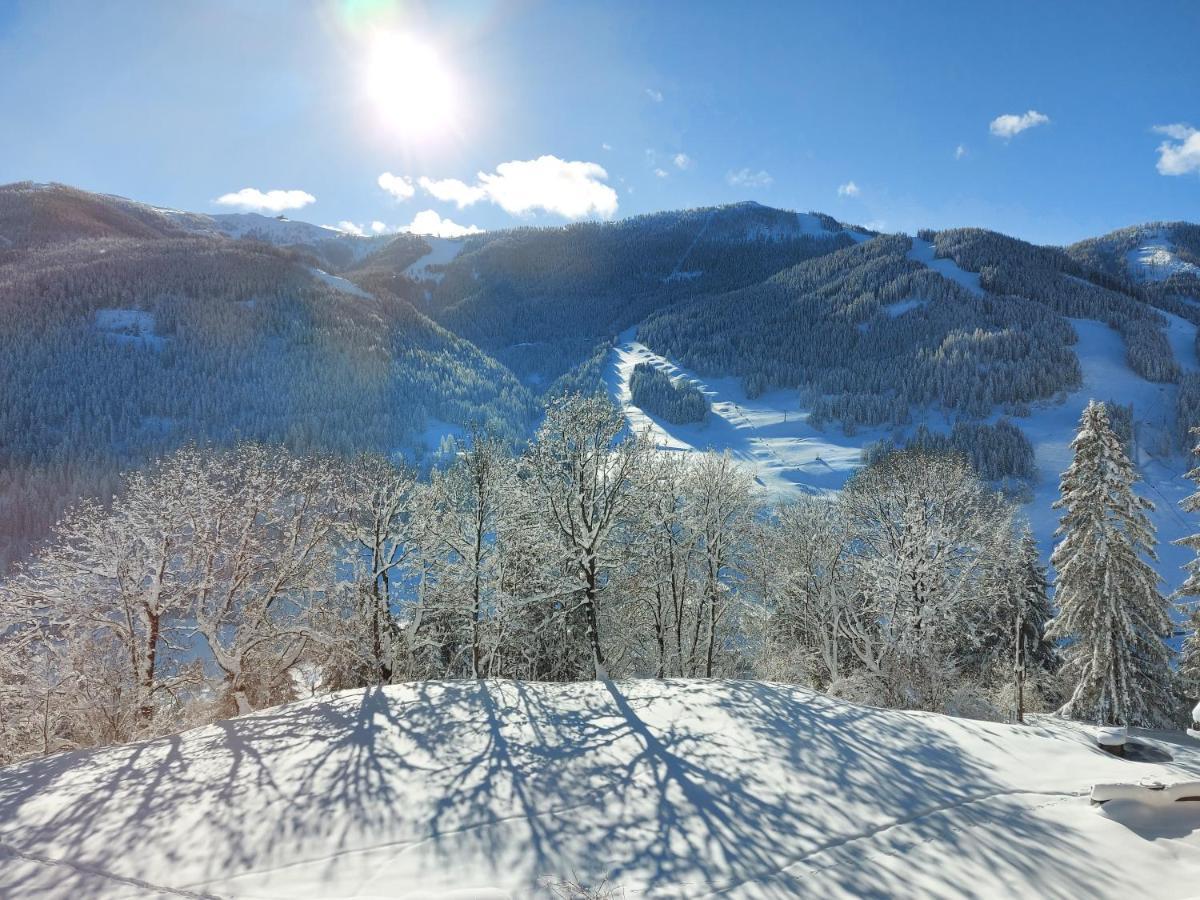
x=813, y=339
x=694, y=789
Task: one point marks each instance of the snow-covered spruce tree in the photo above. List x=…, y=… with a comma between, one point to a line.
x=583, y=480
x=1189, y=661
x=1111, y=611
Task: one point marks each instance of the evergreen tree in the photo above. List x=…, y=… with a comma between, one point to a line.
x=1037, y=650
x=1189, y=663
x=1111, y=610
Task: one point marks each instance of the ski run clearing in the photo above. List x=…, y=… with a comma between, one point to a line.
x=770, y=434
x=666, y=788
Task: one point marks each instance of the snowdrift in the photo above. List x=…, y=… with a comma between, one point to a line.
x=670, y=789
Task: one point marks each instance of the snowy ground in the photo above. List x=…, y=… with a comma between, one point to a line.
x=670, y=789
x=771, y=435
x=441, y=252
x=1155, y=259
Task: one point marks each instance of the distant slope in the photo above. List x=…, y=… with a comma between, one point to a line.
x=664, y=788
x=1154, y=252
x=115, y=350
x=540, y=299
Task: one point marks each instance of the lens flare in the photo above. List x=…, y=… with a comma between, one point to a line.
x=410, y=86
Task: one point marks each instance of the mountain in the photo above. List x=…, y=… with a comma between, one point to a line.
x=123, y=336
x=127, y=329
x=496, y=789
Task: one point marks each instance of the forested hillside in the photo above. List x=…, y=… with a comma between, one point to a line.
x=127, y=330
x=540, y=299
x=123, y=344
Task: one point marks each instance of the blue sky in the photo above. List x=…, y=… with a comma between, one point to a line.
x=877, y=113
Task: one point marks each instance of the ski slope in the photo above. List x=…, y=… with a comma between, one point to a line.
x=441, y=252
x=1154, y=259
x=771, y=436
x=667, y=788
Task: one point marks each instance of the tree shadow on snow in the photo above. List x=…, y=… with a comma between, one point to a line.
x=682, y=788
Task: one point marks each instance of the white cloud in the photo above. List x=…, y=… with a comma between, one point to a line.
x=1181, y=154
x=682, y=161
x=654, y=95
x=452, y=190
x=266, y=201
x=1009, y=125
x=745, y=178
x=960, y=151
x=661, y=173
x=399, y=186
x=350, y=228
x=569, y=189
x=849, y=189
x=606, y=146
x=429, y=222
x=378, y=227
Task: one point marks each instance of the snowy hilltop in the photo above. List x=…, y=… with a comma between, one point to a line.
x=654, y=788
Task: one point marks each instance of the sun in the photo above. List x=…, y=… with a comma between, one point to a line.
x=411, y=88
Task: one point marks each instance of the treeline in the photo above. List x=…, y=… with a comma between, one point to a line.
x=657, y=393
x=220, y=581
x=995, y=452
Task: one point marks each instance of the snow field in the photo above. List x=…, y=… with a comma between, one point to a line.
x=668, y=788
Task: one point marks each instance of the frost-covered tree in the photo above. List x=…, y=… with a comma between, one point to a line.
x=260, y=557
x=381, y=527
x=923, y=527
x=583, y=478
x=1111, y=612
x=806, y=566
x=1189, y=662
x=469, y=501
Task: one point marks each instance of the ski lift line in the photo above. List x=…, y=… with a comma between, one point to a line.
x=686, y=253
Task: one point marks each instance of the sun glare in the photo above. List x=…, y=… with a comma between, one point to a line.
x=411, y=88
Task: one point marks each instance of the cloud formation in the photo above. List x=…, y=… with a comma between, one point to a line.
x=451, y=190
x=429, y=222
x=426, y=222
x=571, y=189
x=960, y=151
x=399, y=186
x=654, y=95
x=266, y=201
x=849, y=189
x=1010, y=125
x=745, y=178
x=1181, y=154
x=682, y=161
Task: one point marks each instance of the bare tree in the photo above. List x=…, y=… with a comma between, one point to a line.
x=584, y=480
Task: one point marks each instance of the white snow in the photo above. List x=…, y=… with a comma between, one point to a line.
x=667, y=788
x=442, y=252
x=1154, y=259
x=895, y=310
x=923, y=252
x=128, y=326
x=341, y=284
x=771, y=435
x=133, y=321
